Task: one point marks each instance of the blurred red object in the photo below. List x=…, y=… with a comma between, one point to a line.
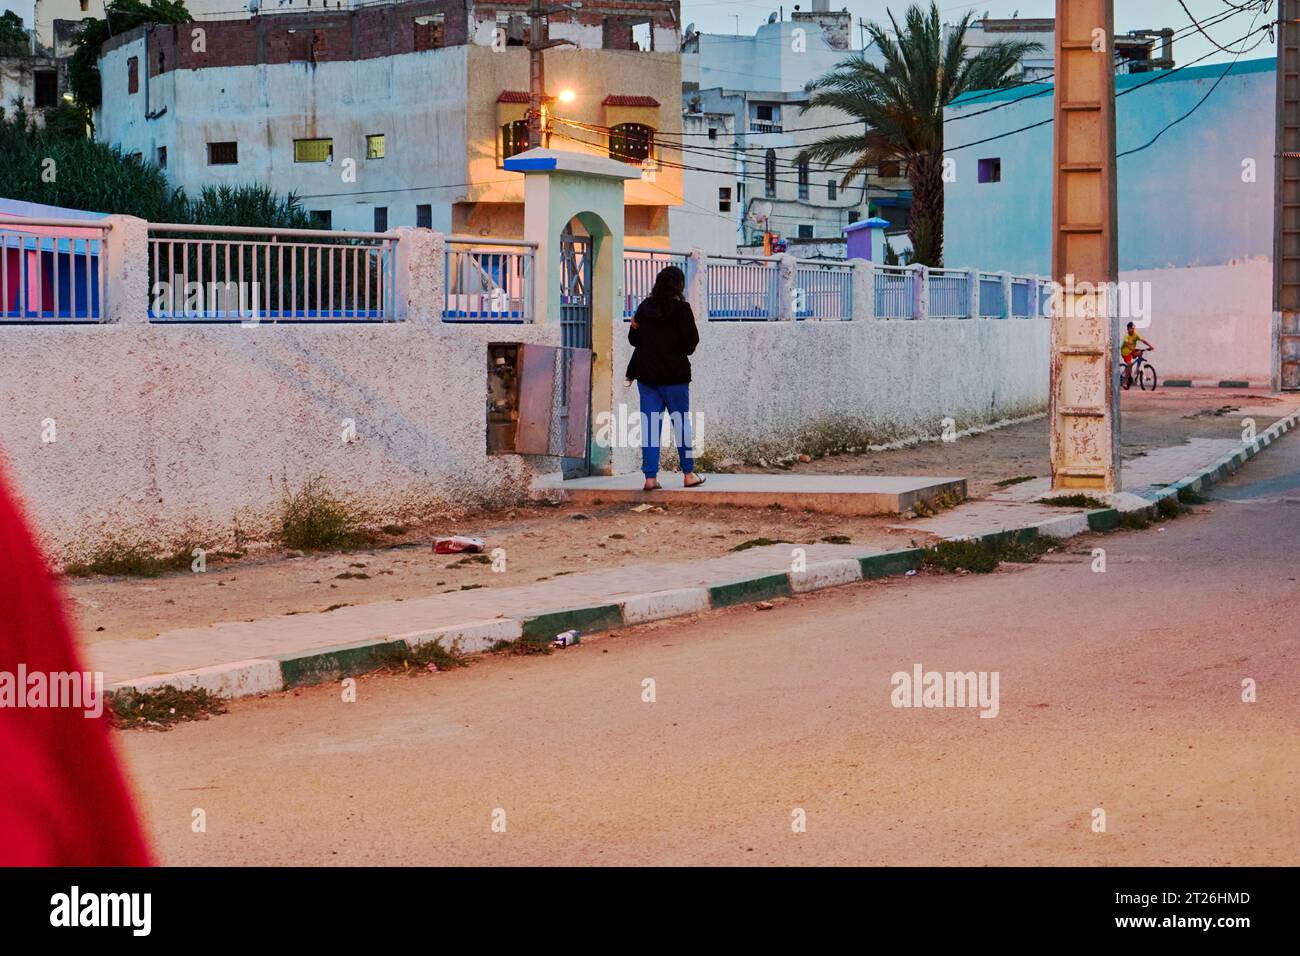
x=63, y=797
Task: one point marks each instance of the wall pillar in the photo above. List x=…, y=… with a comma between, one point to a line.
x=863, y=289
x=787, y=267
x=697, y=283
x=972, y=293
x=1006, y=294
x=126, y=249
x=920, y=291
x=420, y=276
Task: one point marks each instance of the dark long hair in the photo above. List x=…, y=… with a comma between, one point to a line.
x=669, y=284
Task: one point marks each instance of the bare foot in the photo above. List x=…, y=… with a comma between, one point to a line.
x=688, y=483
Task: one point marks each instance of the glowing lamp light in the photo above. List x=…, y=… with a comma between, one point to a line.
x=567, y=96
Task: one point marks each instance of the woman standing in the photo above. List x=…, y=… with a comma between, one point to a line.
x=664, y=335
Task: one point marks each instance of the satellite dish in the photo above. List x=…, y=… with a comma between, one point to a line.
x=690, y=28
x=772, y=18
x=759, y=210
x=254, y=5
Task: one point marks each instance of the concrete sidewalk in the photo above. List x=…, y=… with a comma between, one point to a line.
x=240, y=658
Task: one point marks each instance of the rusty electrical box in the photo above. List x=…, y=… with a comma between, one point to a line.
x=538, y=400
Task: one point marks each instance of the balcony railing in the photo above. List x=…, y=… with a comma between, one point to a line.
x=52, y=270
x=743, y=288
x=489, y=280
x=641, y=266
x=244, y=274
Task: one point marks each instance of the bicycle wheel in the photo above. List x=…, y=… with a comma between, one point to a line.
x=1147, y=378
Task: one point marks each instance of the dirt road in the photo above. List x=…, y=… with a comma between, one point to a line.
x=1119, y=691
x=544, y=542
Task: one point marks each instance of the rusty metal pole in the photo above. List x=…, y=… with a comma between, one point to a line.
x=1286, y=204
x=1084, y=408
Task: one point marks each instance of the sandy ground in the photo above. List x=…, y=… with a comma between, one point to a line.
x=1119, y=691
x=543, y=542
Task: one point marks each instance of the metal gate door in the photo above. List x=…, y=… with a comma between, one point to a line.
x=575, y=337
x=1286, y=188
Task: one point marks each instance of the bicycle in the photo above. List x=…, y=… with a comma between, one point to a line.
x=1141, y=370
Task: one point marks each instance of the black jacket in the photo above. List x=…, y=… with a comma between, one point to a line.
x=664, y=334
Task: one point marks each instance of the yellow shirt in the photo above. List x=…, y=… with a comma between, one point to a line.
x=1129, y=344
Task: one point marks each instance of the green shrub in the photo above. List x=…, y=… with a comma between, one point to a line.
x=314, y=520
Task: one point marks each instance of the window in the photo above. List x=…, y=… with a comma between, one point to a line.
x=514, y=138
x=713, y=132
x=323, y=217
x=223, y=154
x=769, y=173
x=990, y=170
x=428, y=32
x=890, y=169
x=724, y=199
x=162, y=157
x=805, y=231
x=313, y=150
x=631, y=142
x=803, y=179
x=133, y=74
x=381, y=219
x=424, y=216
x=854, y=215
x=832, y=189
x=45, y=89
x=763, y=112
x=137, y=157
x=375, y=146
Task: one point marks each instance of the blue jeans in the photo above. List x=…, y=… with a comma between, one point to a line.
x=675, y=401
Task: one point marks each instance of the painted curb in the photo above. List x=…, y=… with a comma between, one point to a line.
x=280, y=672
x=749, y=590
x=658, y=605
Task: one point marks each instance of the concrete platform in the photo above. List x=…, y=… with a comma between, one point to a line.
x=830, y=494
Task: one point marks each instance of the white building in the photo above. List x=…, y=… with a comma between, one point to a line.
x=762, y=81
x=398, y=114
x=709, y=217
x=1135, y=52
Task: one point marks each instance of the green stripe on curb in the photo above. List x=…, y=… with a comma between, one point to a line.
x=331, y=663
x=598, y=617
x=1012, y=536
x=750, y=589
x=1178, y=383
x=1231, y=383
x=1105, y=519
x=891, y=562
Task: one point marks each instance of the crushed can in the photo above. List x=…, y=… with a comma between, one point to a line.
x=567, y=639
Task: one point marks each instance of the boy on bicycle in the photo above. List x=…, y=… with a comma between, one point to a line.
x=1128, y=349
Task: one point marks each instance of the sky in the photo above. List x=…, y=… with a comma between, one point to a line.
x=720, y=16
x=745, y=16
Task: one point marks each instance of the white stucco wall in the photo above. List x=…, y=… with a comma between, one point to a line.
x=774, y=389
x=169, y=432
x=1210, y=322
x=266, y=107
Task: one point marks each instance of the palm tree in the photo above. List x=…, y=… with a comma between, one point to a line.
x=901, y=105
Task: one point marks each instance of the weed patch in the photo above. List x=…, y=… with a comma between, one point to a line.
x=983, y=556
x=121, y=559
x=163, y=708
x=1008, y=482
x=758, y=543
x=415, y=659
x=1072, y=501
x=314, y=520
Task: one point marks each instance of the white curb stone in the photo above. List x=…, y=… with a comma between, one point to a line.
x=468, y=638
x=826, y=574
x=661, y=604
x=240, y=679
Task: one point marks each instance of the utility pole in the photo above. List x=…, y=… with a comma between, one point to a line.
x=1084, y=404
x=1286, y=204
x=538, y=41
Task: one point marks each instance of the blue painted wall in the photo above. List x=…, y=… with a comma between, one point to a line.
x=1182, y=201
